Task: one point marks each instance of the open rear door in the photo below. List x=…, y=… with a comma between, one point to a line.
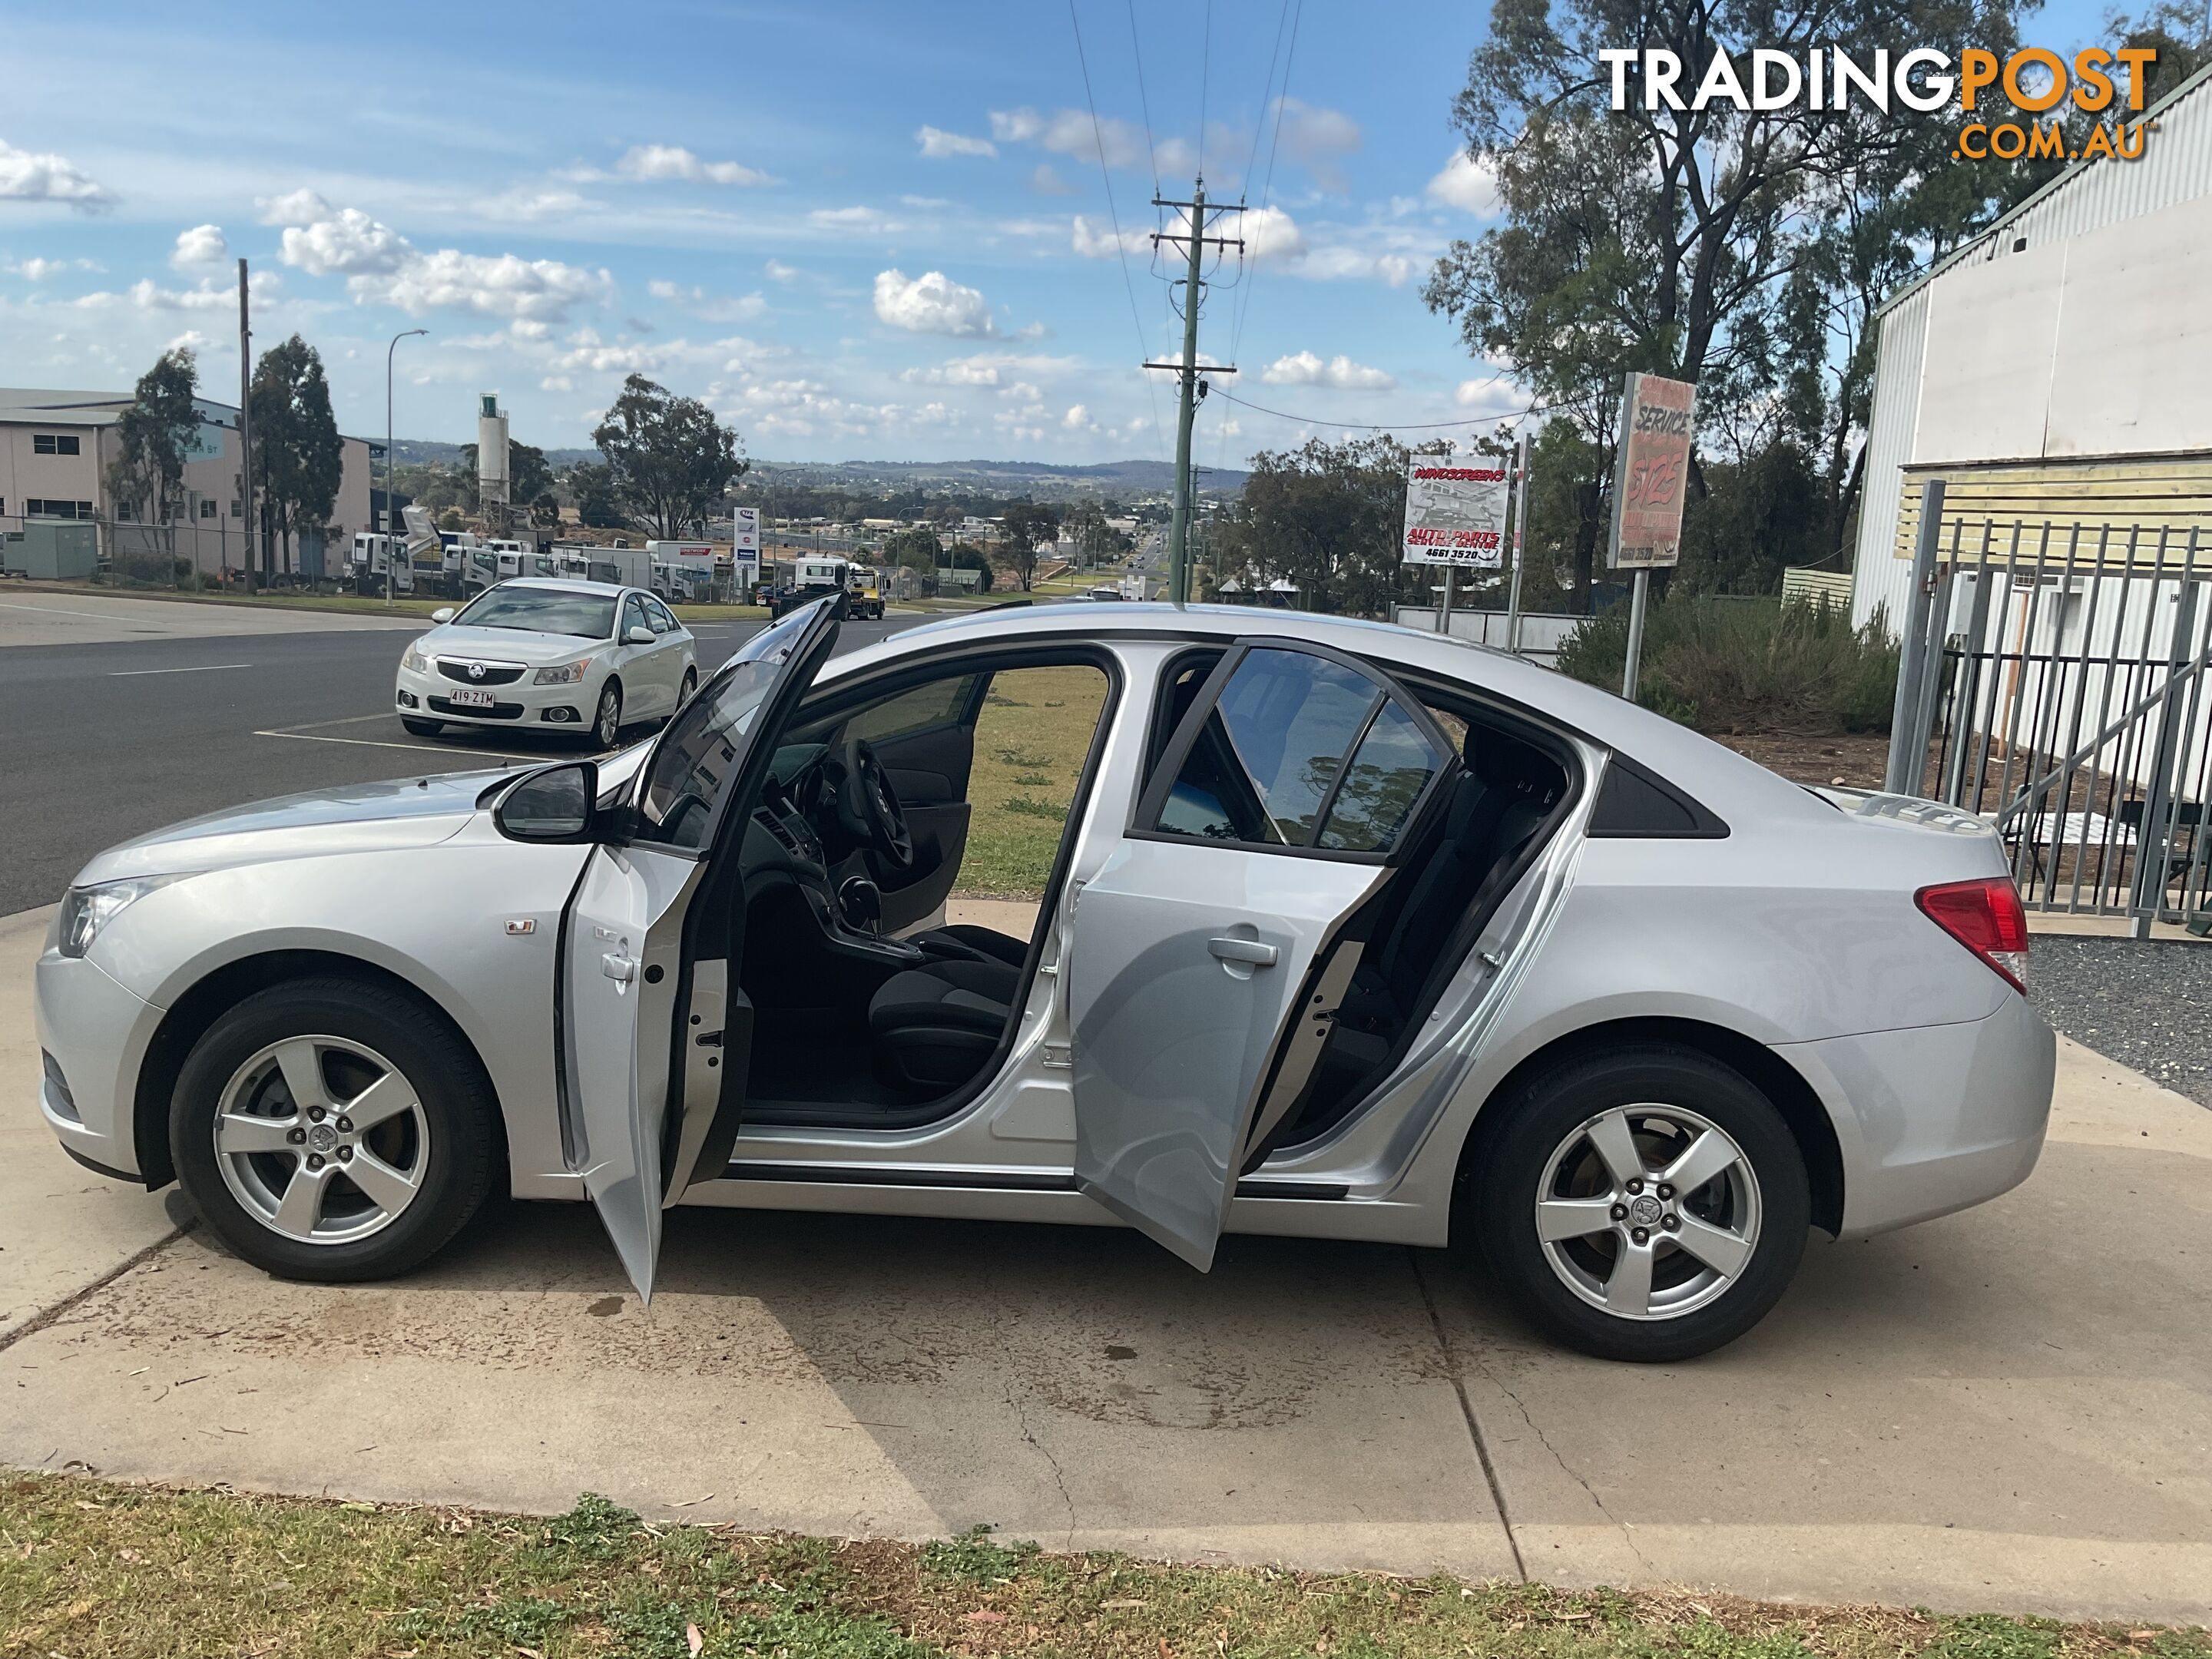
x=629, y=973
x=1271, y=818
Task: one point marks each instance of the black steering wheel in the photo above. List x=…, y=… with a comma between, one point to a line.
x=868, y=808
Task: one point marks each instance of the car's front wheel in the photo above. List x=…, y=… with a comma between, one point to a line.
x=328, y=1130
x=606, y=723
x=1643, y=1204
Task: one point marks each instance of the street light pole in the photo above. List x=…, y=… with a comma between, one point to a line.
x=391, y=559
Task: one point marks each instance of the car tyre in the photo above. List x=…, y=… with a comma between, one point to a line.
x=606, y=722
x=422, y=728
x=683, y=691
x=454, y=1126
x=1751, y=1217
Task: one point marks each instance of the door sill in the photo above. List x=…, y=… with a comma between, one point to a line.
x=1002, y=1181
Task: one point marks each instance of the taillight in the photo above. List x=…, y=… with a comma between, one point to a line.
x=1987, y=917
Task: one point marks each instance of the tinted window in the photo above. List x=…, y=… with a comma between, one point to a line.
x=634, y=615
x=541, y=610
x=1263, y=763
x=685, y=784
x=937, y=703
x=1391, y=767
x=662, y=618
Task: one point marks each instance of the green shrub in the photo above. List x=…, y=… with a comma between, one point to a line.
x=1734, y=664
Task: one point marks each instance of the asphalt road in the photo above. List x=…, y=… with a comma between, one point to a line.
x=103, y=741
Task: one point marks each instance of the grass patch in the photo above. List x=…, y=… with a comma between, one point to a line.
x=1746, y=665
x=1033, y=733
x=89, y=1569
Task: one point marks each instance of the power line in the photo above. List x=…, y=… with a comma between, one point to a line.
x=1152, y=149
x=1384, y=426
x=1244, y=303
x=1114, y=218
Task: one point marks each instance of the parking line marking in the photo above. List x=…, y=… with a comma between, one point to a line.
x=350, y=719
x=57, y=611
x=196, y=668
x=373, y=742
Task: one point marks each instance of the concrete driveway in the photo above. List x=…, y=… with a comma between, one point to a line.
x=2009, y=1409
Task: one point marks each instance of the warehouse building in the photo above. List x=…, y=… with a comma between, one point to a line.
x=56, y=449
x=2056, y=370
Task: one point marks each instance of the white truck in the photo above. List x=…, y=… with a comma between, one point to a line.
x=371, y=561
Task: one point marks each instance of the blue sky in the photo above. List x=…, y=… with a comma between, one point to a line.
x=859, y=230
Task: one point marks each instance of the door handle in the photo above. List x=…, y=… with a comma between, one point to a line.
x=617, y=966
x=1248, y=951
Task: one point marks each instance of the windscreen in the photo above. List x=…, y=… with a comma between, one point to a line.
x=542, y=610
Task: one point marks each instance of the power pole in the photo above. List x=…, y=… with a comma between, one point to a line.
x=245, y=424
x=1194, y=240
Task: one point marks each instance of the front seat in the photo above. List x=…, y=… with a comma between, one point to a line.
x=932, y=1029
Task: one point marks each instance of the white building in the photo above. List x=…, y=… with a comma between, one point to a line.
x=2057, y=369
x=56, y=447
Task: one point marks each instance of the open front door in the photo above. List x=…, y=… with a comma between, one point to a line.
x=631, y=972
x=1272, y=817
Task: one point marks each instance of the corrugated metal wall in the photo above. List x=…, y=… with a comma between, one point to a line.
x=2176, y=167
x=1875, y=585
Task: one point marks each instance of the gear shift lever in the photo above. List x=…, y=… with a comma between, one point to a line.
x=860, y=901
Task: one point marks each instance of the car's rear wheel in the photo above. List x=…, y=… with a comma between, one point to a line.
x=422, y=728
x=1644, y=1204
x=327, y=1130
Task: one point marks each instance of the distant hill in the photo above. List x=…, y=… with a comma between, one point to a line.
x=1046, y=480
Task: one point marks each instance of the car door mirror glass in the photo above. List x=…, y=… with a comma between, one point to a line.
x=641, y=635
x=557, y=804
x=444, y=613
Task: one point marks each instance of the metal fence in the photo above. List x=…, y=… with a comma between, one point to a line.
x=2061, y=696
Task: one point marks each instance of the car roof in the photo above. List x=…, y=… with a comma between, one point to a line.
x=568, y=585
x=1724, y=779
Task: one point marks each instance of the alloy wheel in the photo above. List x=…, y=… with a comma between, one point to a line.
x=322, y=1139
x=606, y=726
x=1648, y=1212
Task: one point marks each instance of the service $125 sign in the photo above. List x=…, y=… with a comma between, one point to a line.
x=1658, y=419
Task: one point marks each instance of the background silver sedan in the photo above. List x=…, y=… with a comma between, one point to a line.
x=1350, y=932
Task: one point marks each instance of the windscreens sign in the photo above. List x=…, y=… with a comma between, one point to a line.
x=1657, y=420
x=744, y=535
x=1455, y=515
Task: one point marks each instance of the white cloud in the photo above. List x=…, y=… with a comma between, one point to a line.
x=1334, y=263
x=299, y=207
x=41, y=176
x=1078, y=419
x=556, y=383
x=714, y=308
x=530, y=204
x=1271, y=233
x=1046, y=181
x=1230, y=429
x=991, y=368
x=501, y=285
x=938, y=144
x=1466, y=184
x=146, y=294
x=933, y=303
x=1316, y=138
x=1469, y=394
x=1304, y=368
x=38, y=271
x=661, y=161
x=777, y=271
x=382, y=267
x=853, y=218
x=1072, y=132
x=347, y=244
x=203, y=245
x=1095, y=241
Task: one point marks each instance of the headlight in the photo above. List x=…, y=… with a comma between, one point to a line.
x=567, y=674
x=414, y=661
x=86, y=910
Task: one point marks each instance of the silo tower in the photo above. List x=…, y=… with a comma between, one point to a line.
x=492, y=475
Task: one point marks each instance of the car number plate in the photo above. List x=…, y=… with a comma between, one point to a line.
x=465, y=698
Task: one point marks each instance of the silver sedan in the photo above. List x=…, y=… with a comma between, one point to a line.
x=1345, y=932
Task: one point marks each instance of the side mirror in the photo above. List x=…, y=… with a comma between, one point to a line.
x=444, y=613
x=559, y=804
x=639, y=636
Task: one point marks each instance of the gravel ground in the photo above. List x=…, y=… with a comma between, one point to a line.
x=2147, y=1004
